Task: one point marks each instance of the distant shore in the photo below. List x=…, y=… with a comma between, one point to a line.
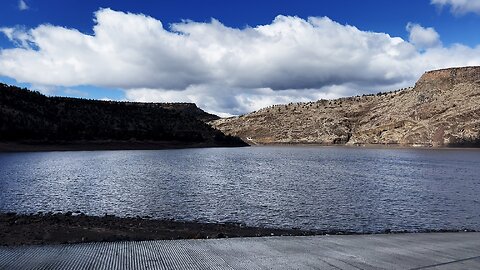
x=102, y=145
x=63, y=228
x=365, y=146
x=164, y=145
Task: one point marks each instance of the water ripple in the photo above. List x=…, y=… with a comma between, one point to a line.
x=324, y=188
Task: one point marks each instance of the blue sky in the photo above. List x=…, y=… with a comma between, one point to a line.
x=372, y=15
x=230, y=77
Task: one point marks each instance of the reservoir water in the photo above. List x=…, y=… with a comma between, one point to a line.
x=322, y=188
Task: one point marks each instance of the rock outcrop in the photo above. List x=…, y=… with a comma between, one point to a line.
x=442, y=109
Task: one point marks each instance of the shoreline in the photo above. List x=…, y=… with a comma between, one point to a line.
x=14, y=147
x=69, y=228
x=365, y=146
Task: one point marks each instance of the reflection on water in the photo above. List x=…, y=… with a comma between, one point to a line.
x=328, y=188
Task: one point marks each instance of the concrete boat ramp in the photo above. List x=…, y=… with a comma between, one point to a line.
x=393, y=251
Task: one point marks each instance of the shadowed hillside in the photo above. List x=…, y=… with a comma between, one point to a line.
x=443, y=109
x=30, y=117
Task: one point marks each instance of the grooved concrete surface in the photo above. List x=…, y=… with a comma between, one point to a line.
x=400, y=251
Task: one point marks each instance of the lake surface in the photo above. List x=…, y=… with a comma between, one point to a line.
x=323, y=188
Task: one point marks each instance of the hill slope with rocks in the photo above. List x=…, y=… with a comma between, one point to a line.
x=32, y=118
x=442, y=109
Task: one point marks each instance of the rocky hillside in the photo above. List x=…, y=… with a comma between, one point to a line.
x=189, y=109
x=27, y=116
x=443, y=109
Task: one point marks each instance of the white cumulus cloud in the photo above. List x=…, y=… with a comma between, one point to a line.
x=459, y=7
x=222, y=69
x=22, y=5
x=422, y=37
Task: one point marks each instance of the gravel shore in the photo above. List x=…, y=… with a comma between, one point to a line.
x=49, y=228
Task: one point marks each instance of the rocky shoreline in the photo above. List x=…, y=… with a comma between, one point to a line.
x=62, y=228
x=11, y=147
x=69, y=228
x=102, y=146
x=369, y=146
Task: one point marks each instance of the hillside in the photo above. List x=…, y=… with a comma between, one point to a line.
x=32, y=118
x=442, y=109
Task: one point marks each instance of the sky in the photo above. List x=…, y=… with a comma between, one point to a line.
x=229, y=57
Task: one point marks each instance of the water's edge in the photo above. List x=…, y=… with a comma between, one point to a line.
x=68, y=228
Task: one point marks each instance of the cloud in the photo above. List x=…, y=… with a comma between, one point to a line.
x=75, y=92
x=228, y=102
x=459, y=7
x=423, y=38
x=22, y=5
x=223, y=69
x=17, y=35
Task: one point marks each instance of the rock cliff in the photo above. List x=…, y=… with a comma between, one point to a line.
x=442, y=109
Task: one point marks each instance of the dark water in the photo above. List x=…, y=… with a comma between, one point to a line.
x=362, y=190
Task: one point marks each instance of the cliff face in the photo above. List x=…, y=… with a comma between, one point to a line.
x=443, y=109
x=27, y=116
